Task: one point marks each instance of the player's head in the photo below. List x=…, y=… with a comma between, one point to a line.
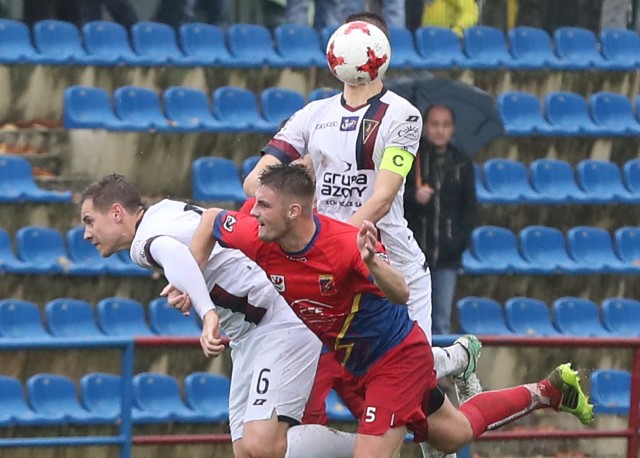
x=371, y=18
x=439, y=125
x=284, y=197
x=110, y=208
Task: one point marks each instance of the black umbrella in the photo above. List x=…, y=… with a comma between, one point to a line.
x=477, y=118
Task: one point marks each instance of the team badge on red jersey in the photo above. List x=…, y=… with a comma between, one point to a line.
x=327, y=285
x=278, y=282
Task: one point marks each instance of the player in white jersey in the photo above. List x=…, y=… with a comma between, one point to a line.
x=274, y=354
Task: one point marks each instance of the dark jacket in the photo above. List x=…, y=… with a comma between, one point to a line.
x=443, y=226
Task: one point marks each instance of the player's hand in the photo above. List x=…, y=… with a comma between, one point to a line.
x=177, y=299
x=367, y=240
x=424, y=194
x=210, y=338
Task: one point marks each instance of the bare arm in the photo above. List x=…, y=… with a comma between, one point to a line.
x=203, y=242
x=385, y=189
x=251, y=181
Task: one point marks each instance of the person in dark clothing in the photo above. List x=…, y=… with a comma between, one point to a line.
x=441, y=208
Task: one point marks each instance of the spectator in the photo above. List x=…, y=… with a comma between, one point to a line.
x=120, y=10
x=440, y=206
x=393, y=11
x=327, y=13
x=454, y=14
x=178, y=12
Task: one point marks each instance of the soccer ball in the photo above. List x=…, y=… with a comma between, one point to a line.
x=358, y=53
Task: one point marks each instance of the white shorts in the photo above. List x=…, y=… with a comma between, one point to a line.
x=273, y=370
x=420, y=299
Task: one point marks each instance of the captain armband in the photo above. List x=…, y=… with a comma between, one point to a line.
x=397, y=160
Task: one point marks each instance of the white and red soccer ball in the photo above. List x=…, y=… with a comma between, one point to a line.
x=358, y=53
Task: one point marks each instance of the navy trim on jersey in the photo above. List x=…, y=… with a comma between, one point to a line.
x=368, y=132
x=311, y=242
x=282, y=150
x=343, y=102
x=216, y=230
x=240, y=304
x=147, y=252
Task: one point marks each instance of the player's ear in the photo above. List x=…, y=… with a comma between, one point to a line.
x=294, y=211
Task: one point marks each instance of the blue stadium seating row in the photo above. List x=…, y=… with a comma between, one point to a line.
x=185, y=110
x=604, y=114
x=42, y=250
x=610, y=391
x=250, y=45
x=541, y=250
x=112, y=317
x=553, y=181
x=572, y=316
x=53, y=400
x=17, y=183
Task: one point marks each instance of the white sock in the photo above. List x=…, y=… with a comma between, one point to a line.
x=451, y=360
x=317, y=441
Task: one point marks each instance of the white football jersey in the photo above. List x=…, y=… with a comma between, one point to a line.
x=243, y=295
x=346, y=146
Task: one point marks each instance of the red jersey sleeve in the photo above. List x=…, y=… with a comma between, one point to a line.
x=237, y=230
x=247, y=205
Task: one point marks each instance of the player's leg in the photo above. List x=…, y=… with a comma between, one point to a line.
x=315, y=412
x=383, y=446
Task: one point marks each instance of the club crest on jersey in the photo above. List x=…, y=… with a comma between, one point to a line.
x=278, y=282
x=327, y=285
x=348, y=123
x=229, y=222
x=368, y=126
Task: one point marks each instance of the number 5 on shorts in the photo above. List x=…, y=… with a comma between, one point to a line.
x=370, y=415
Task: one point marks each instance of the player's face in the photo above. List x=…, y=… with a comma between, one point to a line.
x=439, y=127
x=271, y=213
x=100, y=228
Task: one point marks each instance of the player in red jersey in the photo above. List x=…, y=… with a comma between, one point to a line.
x=335, y=278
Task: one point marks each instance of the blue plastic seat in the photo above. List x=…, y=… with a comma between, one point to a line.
x=486, y=47
x=482, y=193
x=86, y=258
x=592, y=245
x=15, y=43
x=205, y=43
x=10, y=263
x=101, y=394
x=631, y=176
x=299, y=46
x=208, y=394
x=521, y=114
x=190, y=107
x=42, y=248
x=252, y=46
x=509, y=181
x=167, y=321
x=439, y=47
x=122, y=317
x=555, y=179
x=158, y=396
x=404, y=53
x=480, y=315
x=530, y=317
x=473, y=266
x=278, y=104
x=546, y=246
x=621, y=47
x=141, y=108
x=568, y=113
x=325, y=35
x=336, y=409
x=71, y=318
x=108, y=44
x=59, y=42
x=578, y=317
x=217, y=179
x=237, y=109
x=602, y=182
x=90, y=108
x=158, y=44
x=54, y=394
x=621, y=316
x=249, y=164
x=614, y=113
x=21, y=320
x=322, y=93
x=610, y=391
x=532, y=49
x=17, y=183
x=627, y=245
x=579, y=49
x=15, y=410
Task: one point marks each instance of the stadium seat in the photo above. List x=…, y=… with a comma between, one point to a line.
x=532, y=49
x=508, y=180
x=71, y=318
x=568, y=113
x=621, y=47
x=140, y=107
x=10, y=263
x=579, y=49
x=578, y=317
x=593, y=246
x=621, y=316
x=21, y=320
x=530, y=317
x=336, y=409
x=166, y=321
x=325, y=35
x=627, y=245
x=86, y=258
x=90, y=108
x=299, y=46
x=42, y=248
x=14, y=407
x=252, y=46
x=101, y=394
x=522, y=115
x=480, y=315
x=614, y=113
x=237, y=109
x=205, y=43
x=610, y=391
x=471, y=265
x=602, y=182
x=157, y=43
x=404, y=53
x=217, y=179
x=208, y=394
x=486, y=48
x=108, y=44
x=158, y=396
x=59, y=42
x=190, y=107
x=545, y=246
x=15, y=43
x=122, y=317
x=483, y=195
x=322, y=93
x=278, y=104
x=439, y=47
x=248, y=165
x=56, y=394
x=555, y=180
x=631, y=176
x=17, y=183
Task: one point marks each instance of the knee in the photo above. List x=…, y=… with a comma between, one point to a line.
x=256, y=448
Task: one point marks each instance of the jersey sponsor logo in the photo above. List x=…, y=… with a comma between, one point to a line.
x=278, y=282
x=228, y=223
x=324, y=125
x=368, y=126
x=327, y=285
x=348, y=123
x=410, y=133
x=412, y=118
x=339, y=185
x=259, y=402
